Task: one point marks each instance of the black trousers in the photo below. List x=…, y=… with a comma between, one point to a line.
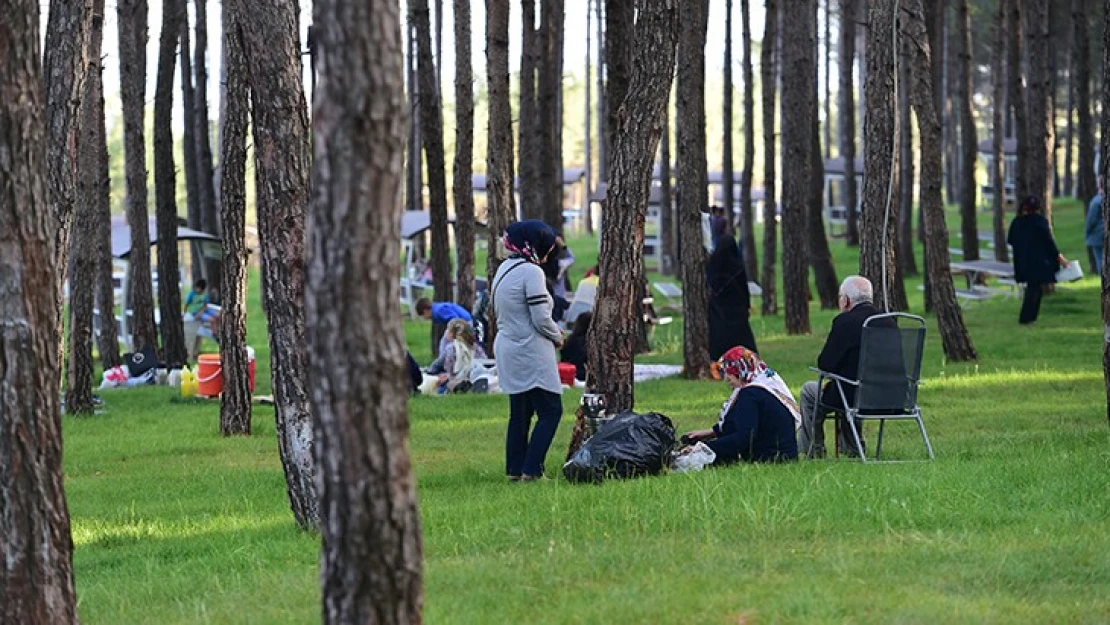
x=1031, y=303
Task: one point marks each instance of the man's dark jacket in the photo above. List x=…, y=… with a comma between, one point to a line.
x=841, y=352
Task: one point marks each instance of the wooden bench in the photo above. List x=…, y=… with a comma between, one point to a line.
x=673, y=293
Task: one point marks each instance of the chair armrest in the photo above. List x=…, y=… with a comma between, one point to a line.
x=833, y=376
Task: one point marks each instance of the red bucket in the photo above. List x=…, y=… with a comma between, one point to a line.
x=566, y=373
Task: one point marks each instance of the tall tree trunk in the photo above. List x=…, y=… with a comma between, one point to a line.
x=747, y=212
x=798, y=89
x=877, y=260
x=209, y=187
x=189, y=136
x=36, y=570
x=1041, y=123
x=727, y=173
x=936, y=28
x=619, y=18
x=602, y=107
x=165, y=188
x=951, y=136
x=1085, y=161
x=691, y=182
x=587, y=216
x=235, y=401
x=1069, y=99
x=969, y=145
x=954, y=336
x=906, y=257
x=549, y=97
x=531, y=196
x=617, y=313
x=668, y=228
x=91, y=183
x=282, y=173
x=371, y=569
x=768, y=72
x=998, y=173
x=847, y=111
x=108, y=345
x=1104, y=168
x=828, y=84
x=132, y=19
x=414, y=163
x=499, y=128
x=431, y=127
x=463, y=183
x=1016, y=79
x=817, y=244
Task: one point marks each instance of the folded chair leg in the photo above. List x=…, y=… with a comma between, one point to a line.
x=879, y=443
x=924, y=435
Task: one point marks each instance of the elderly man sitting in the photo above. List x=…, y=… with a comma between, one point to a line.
x=840, y=356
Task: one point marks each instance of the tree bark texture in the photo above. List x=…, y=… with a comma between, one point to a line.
x=108, y=344
x=690, y=124
x=951, y=125
x=189, y=137
x=768, y=73
x=906, y=258
x=414, y=162
x=1017, y=93
x=998, y=172
x=282, y=174
x=954, y=336
x=91, y=185
x=747, y=213
x=619, y=33
x=165, y=188
x=1086, y=188
x=618, y=312
x=1104, y=168
x=531, y=193
x=463, y=183
x=549, y=100
x=1069, y=98
x=969, y=145
x=827, y=50
x=847, y=112
x=1041, y=123
x=370, y=565
x=36, y=551
x=209, y=189
x=817, y=244
x=798, y=90
x=668, y=228
x=499, y=128
x=602, y=107
x=132, y=19
x=431, y=128
x=65, y=62
x=727, y=173
x=235, y=401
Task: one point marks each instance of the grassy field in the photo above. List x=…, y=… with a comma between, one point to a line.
x=173, y=524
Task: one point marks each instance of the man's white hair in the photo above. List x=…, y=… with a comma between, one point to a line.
x=857, y=289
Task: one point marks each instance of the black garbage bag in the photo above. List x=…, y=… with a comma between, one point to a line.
x=629, y=445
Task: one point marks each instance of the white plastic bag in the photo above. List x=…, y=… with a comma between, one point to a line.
x=693, y=458
x=1071, y=273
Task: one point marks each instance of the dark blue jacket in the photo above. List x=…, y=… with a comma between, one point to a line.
x=758, y=428
x=1035, y=250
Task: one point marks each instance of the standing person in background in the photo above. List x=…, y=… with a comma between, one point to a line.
x=1036, y=257
x=524, y=349
x=729, y=299
x=1095, y=227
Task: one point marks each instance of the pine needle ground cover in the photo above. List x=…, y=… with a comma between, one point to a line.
x=173, y=524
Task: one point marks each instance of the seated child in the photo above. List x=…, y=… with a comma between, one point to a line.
x=199, y=306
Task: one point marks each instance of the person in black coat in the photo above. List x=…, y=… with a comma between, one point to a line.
x=729, y=300
x=839, y=356
x=1036, y=257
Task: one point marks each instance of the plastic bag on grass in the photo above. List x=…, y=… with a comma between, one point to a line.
x=695, y=458
x=629, y=445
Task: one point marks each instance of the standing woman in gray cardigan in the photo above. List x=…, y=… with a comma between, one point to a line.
x=525, y=348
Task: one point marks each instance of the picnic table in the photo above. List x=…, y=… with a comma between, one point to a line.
x=975, y=271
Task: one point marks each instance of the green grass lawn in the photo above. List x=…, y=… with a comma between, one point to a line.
x=1011, y=524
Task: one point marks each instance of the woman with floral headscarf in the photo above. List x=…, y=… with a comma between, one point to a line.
x=758, y=421
x=525, y=346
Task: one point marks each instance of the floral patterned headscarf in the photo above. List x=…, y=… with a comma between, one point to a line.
x=746, y=365
x=531, y=238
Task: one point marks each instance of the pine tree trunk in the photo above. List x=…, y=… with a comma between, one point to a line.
x=1069, y=128
x=906, y=257
x=828, y=85
x=954, y=336
x=108, y=344
x=727, y=174
x=619, y=17
x=798, y=90
x=83, y=256
x=767, y=72
x=602, y=107
x=1017, y=99
x=747, y=211
x=668, y=229
x=371, y=569
x=282, y=173
x=531, y=195
x=936, y=28
x=1104, y=169
x=189, y=137
x=617, y=313
x=1085, y=161
x=951, y=126
x=414, y=162
x=1041, y=123
x=691, y=177
x=877, y=260
x=209, y=188
x=998, y=174
x=969, y=145
x=463, y=184
x=499, y=156
x=549, y=96
x=235, y=401
x=587, y=217
x=817, y=244
x=847, y=111
x=165, y=188
x=132, y=55
x=36, y=570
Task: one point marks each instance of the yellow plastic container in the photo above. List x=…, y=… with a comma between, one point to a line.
x=189, y=386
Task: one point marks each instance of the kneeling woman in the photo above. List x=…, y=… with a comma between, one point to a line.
x=759, y=419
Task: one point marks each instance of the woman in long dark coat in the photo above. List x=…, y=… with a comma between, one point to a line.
x=729, y=299
x=1036, y=257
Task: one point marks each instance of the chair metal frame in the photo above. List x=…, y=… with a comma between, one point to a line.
x=851, y=410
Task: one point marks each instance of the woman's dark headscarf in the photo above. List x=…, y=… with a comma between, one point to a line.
x=718, y=228
x=531, y=238
x=1031, y=205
